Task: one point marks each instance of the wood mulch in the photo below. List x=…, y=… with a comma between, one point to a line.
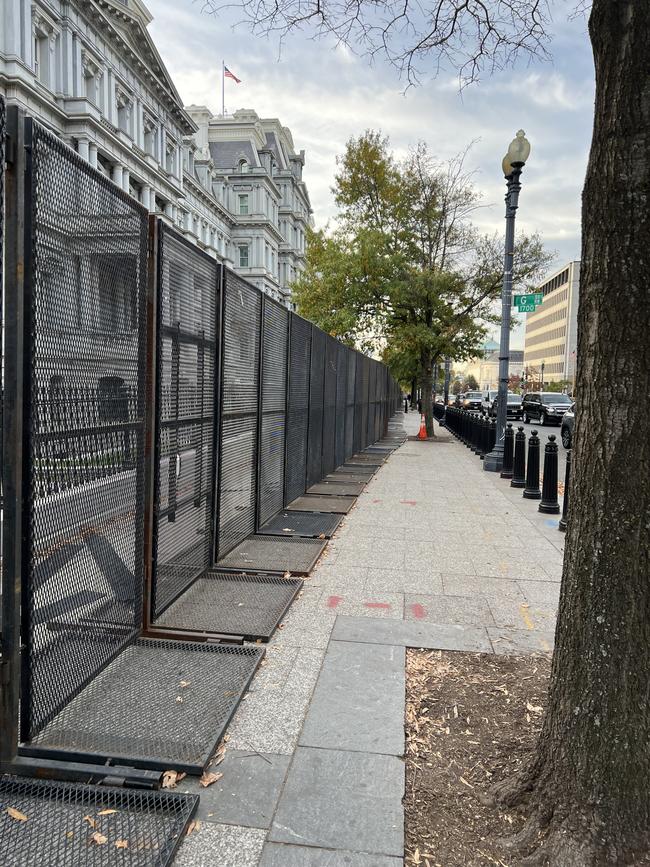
x=471, y=720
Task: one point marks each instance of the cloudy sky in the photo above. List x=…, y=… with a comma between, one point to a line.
x=325, y=94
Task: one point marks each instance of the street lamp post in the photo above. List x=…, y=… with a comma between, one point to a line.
x=446, y=389
x=512, y=165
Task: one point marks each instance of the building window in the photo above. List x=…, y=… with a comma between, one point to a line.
x=243, y=166
x=243, y=255
x=150, y=135
x=243, y=203
x=124, y=112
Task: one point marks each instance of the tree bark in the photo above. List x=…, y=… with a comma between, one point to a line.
x=426, y=385
x=589, y=783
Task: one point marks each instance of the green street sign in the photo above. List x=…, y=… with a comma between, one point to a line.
x=526, y=308
x=539, y=297
x=535, y=298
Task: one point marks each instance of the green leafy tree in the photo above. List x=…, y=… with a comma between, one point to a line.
x=470, y=383
x=406, y=274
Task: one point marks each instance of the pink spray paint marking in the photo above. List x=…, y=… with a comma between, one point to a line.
x=409, y=502
x=418, y=611
x=333, y=601
x=384, y=605
x=377, y=501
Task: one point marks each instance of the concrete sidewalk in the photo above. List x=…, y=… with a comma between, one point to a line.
x=436, y=553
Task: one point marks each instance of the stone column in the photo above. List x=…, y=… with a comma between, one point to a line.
x=116, y=174
x=92, y=155
x=126, y=177
x=83, y=148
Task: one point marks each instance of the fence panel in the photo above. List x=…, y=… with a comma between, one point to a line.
x=316, y=397
x=240, y=369
x=365, y=393
x=329, y=406
x=349, y=403
x=188, y=298
x=372, y=387
x=86, y=270
x=298, y=409
x=275, y=338
x=341, y=393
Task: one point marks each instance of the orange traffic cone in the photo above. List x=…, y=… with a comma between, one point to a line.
x=422, y=435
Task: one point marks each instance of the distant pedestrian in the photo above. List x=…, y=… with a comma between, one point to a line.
x=406, y=404
x=420, y=405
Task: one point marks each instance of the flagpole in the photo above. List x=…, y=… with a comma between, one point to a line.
x=223, y=88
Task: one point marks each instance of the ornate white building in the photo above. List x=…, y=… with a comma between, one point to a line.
x=89, y=71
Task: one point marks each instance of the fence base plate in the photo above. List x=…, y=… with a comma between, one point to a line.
x=245, y=604
x=311, y=525
x=274, y=554
x=313, y=503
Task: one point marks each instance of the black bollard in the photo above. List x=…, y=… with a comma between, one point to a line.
x=483, y=443
x=508, y=451
x=532, y=491
x=493, y=434
x=519, y=462
x=565, y=501
x=549, y=504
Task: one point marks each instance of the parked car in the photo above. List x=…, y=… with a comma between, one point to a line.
x=566, y=430
x=472, y=400
x=545, y=406
x=488, y=399
x=513, y=407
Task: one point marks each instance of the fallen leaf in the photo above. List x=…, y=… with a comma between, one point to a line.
x=16, y=814
x=209, y=778
x=185, y=683
x=322, y=536
x=122, y=844
x=69, y=835
x=98, y=838
x=194, y=825
x=170, y=778
x=90, y=821
x=533, y=708
x=463, y=780
x=106, y=812
x=287, y=575
x=179, y=699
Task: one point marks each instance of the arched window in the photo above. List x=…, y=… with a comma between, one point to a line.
x=243, y=166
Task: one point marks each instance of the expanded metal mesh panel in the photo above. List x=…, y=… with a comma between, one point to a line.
x=274, y=396
x=273, y=554
x=187, y=347
x=316, y=397
x=308, y=524
x=237, y=476
x=246, y=605
x=358, y=394
x=3, y=136
x=159, y=704
x=341, y=392
x=86, y=308
x=372, y=386
x=365, y=390
x=329, y=406
x=349, y=404
x=142, y=829
x=312, y=503
x=298, y=408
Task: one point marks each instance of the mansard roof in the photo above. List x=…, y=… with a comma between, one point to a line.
x=228, y=154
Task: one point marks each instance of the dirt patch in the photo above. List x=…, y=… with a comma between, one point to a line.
x=471, y=720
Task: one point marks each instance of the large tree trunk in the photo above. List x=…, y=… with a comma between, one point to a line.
x=589, y=786
x=426, y=384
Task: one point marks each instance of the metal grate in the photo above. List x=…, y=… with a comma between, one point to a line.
x=310, y=525
x=246, y=605
x=343, y=354
x=275, y=336
x=368, y=459
x=86, y=274
x=58, y=833
x=161, y=704
x=316, y=397
x=341, y=488
x=187, y=345
x=344, y=478
x=356, y=470
x=298, y=408
x=313, y=503
x=237, y=476
x=273, y=554
x=329, y=406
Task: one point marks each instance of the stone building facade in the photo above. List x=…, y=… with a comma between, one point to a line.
x=89, y=71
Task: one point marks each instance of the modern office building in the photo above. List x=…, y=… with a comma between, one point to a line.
x=89, y=71
x=552, y=330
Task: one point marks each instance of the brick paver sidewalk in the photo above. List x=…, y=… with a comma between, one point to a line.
x=436, y=553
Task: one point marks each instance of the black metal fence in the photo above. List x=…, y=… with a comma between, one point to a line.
x=161, y=409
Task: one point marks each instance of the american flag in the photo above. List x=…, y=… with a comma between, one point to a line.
x=228, y=74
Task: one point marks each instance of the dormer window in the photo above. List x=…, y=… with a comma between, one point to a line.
x=243, y=166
